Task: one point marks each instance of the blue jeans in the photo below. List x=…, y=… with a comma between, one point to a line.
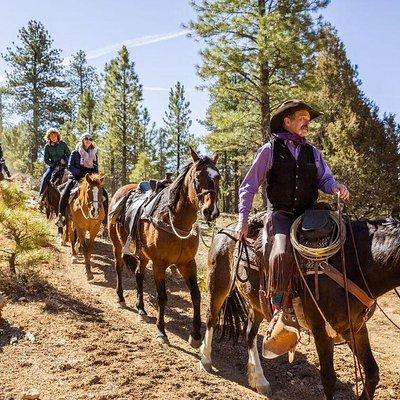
x=46, y=179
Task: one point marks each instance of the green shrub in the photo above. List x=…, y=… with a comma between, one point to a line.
x=25, y=230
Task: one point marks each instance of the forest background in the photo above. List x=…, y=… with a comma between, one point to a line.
x=254, y=54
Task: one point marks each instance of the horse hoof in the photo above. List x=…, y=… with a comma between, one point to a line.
x=264, y=390
x=162, y=339
x=121, y=304
x=89, y=276
x=142, y=316
x=195, y=343
x=205, y=366
x=74, y=260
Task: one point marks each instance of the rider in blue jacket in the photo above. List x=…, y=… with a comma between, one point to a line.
x=83, y=160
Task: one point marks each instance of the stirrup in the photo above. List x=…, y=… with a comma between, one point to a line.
x=283, y=334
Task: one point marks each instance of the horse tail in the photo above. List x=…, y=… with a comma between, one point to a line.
x=232, y=318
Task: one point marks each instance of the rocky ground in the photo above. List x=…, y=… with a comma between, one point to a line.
x=68, y=340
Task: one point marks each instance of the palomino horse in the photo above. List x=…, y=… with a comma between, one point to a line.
x=195, y=188
x=85, y=216
x=378, y=247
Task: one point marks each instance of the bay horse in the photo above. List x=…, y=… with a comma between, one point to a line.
x=378, y=247
x=196, y=188
x=84, y=217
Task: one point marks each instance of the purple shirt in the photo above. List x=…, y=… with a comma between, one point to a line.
x=262, y=163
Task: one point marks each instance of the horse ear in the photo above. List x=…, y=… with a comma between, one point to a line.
x=215, y=156
x=102, y=178
x=194, y=155
x=87, y=177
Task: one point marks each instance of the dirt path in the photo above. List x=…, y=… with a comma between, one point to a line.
x=71, y=342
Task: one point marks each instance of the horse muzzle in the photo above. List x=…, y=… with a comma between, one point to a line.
x=210, y=213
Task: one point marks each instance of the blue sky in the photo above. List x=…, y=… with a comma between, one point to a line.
x=153, y=32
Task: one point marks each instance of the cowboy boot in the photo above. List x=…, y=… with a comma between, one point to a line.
x=282, y=335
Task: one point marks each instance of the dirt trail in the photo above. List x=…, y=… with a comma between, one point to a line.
x=83, y=347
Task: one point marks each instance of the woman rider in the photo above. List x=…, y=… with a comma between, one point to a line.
x=56, y=153
x=83, y=160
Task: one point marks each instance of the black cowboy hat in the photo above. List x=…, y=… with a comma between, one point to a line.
x=289, y=107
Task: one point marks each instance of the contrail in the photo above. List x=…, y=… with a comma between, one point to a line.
x=141, y=41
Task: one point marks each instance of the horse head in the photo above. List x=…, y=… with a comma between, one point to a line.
x=93, y=192
x=204, y=185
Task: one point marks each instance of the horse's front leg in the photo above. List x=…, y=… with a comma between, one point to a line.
x=324, y=346
x=255, y=372
x=189, y=273
x=159, y=278
x=89, y=250
x=368, y=362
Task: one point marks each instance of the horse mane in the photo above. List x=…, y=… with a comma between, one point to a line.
x=175, y=188
x=386, y=238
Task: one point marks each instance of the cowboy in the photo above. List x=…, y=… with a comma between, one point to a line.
x=293, y=171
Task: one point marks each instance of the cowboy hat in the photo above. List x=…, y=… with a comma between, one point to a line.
x=289, y=107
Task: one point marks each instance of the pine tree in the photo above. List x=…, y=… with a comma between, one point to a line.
x=121, y=115
x=81, y=77
x=361, y=148
x=87, y=120
x=255, y=51
x=177, y=123
x=35, y=80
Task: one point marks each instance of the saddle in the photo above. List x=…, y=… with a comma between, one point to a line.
x=137, y=204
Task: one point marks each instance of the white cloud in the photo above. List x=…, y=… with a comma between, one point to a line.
x=155, y=89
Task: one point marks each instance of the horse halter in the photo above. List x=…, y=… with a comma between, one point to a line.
x=200, y=193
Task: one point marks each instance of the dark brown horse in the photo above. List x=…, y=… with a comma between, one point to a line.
x=51, y=196
x=196, y=188
x=378, y=245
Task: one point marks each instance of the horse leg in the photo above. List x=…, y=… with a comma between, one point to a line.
x=324, y=346
x=368, y=363
x=88, y=253
x=117, y=250
x=255, y=372
x=137, y=268
x=189, y=273
x=159, y=277
x=73, y=241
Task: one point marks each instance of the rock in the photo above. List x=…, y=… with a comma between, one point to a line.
x=22, y=299
x=14, y=339
x=30, y=336
x=31, y=394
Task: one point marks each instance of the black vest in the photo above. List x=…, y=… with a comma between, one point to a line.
x=292, y=185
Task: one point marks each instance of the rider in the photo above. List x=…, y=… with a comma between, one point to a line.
x=83, y=160
x=3, y=163
x=293, y=170
x=56, y=153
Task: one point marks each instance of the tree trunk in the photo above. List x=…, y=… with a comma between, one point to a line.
x=11, y=264
x=265, y=100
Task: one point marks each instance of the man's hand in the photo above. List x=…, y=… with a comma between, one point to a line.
x=342, y=190
x=62, y=162
x=242, y=228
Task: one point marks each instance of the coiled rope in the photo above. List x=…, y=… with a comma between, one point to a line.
x=317, y=253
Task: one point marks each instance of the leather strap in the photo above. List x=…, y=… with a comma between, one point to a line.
x=355, y=290
x=164, y=226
